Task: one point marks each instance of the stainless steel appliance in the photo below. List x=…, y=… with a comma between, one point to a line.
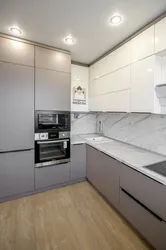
x=52, y=138
x=51, y=151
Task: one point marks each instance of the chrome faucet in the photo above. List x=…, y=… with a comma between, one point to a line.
x=100, y=128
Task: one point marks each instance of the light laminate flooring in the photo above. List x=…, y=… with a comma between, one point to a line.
x=75, y=217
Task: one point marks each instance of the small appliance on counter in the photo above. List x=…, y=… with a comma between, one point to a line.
x=52, y=138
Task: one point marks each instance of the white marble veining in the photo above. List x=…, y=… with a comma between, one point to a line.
x=85, y=123
x=147, y=131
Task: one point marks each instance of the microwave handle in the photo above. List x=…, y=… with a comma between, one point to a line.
x=50, y=142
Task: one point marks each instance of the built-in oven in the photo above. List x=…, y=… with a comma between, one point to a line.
x=51, y=149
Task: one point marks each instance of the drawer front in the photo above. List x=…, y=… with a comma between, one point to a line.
x=151, y=193
x=52, y=175
x=149, y=226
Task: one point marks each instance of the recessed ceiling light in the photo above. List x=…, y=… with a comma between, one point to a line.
x=116, y=19
x=16, y=31
x=69, y=40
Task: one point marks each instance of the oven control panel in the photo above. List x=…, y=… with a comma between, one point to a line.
x=41, y=136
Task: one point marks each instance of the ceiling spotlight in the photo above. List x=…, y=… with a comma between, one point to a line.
x=116, y=19
x=16, y=31
x=69, y=40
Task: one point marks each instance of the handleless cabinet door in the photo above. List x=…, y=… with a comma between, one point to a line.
x=78, y=162
x=52, y=90
x=16, y=107
x=16, y=173
x=16, y=52
x=51, y=59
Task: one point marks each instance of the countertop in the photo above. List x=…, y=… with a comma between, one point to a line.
x=132, y=156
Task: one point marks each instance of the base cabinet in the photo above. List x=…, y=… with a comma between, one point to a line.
x=78, y=162
x=52, y=175
x=103, y=173
x=16, y=173
x=152, y=228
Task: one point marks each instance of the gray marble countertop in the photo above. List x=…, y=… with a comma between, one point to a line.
x=132, y=156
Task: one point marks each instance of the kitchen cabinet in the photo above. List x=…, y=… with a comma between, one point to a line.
x=103, y=173
x=142, y=45
x=16, y=107
x=142, y=85
x=160, y=36
x=78, y=162
x=53, y=60
x=16, y=173
x=152, y=228
x=16, y=52
x=52, y=90
x=150, y=193
x=52, y=175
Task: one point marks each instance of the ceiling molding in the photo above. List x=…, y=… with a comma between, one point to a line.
x=34, y=43
x=80, y=64
x=129, y=38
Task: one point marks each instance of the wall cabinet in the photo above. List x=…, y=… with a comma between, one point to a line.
x=142, y=45
x=52, y=175
x=160, y=36
x=52, y=90
x=103, y=173
x=78, y=162
x=16, y=107
x=16, y=52
x=53, y=60
x=16, y=173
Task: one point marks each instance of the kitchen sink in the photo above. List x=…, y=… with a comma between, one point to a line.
x=97, y=139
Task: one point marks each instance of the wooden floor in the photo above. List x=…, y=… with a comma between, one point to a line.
x=68, y=218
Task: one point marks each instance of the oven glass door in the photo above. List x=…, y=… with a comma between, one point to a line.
x=52, y=150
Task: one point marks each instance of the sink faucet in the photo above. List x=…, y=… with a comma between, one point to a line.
x=100, y=128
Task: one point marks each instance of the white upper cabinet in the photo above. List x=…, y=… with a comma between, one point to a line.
x=16, y=52
x=160, y=36
x=142, y=45
x=79, y=73
x=142, y=85
x=51, y=59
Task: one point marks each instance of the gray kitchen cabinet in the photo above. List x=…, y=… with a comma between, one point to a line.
x=51, y=59
x=16, y=107
x=16, y=52
x=151, y=193
x=16, y=173
x=152, y=228
x=52, y=90
x=78, y=162
x=52, y=175
x=103, y=172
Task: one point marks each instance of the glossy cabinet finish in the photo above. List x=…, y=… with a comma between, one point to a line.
x=149, y=226
x=52, y=175
x=16, y=173
x=142, y=45
x=16, y=107
x=79, y=73
x=144, y=189
x=52, y=90
x=142, y=85
x=53, y=60
x=78, y=162
x=16, y=52
x=103, y=173
x=160, y=36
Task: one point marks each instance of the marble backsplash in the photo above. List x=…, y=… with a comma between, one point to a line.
x=83, y=123
x=147, y=131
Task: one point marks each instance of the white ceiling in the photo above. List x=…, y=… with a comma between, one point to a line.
x=48, y=21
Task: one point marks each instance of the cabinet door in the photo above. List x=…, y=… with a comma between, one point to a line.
x=142, y=45
x=16, y=173
x=51, y=59
x=16, y=52
x=52, y=175
x=142, y=85
x=78, y=162
x=52, y=90
x=150, y=227
x=16, y=107
x=160, y=36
